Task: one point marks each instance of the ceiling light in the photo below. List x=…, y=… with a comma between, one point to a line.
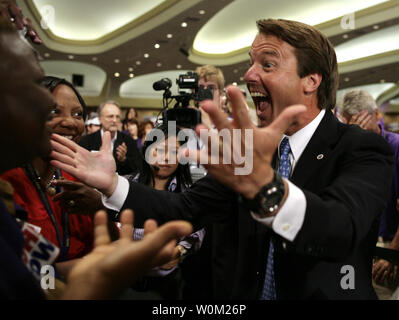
x=116, y=61
x=169, y=36
x=71, y=57
x=138, y=62
x=201, y=12
x=94, y=58
x=131, y=75
x=184, y=24
x=234, y=83
x=116, y=74
x=346, y=79
x=146, y=55
x=376, y=27
x=178, y=66
x=345, y=36
x=235, y=70
x=382, y=81
x=241, y=78
x=47, y=54
x=159, y=64
x=156, y=46
x=130, y=69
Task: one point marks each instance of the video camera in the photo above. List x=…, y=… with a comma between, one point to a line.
x=183, y=115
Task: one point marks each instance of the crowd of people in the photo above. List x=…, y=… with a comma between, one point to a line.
x=303, y=223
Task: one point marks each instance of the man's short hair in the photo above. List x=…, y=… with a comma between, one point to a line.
x=101, y=107
x=211, y=73
x=356, y=101
x=314, y=53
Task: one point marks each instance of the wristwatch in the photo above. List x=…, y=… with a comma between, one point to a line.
x=268, y=199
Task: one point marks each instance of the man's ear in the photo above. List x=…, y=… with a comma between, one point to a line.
x=311, y=83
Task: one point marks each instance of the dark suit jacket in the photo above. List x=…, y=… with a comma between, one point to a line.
x=345, y=193
x=93, y=142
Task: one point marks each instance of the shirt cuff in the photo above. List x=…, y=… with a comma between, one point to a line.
x=117, y=199
x=291, y=215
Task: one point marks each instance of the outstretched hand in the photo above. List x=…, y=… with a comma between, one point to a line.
x=96, y=169
x=113, y=266
x=248, y=149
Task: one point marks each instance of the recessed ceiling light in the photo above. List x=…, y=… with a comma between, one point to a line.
x=184, y=24
x=235, y=70
x=178, y=66
x=201, y=12
x=382, y=81
x=345, y=36
x=130, y=69
x=116, y=74
x=159, y=64
x=131, y=75
x=346, y=79
x=146, y=55
x=234, y=83
x=116, y=61
x=156, y=46
x=71, y=57
x=169, y=35
x=376, y=27
x=47, y=54
x=241, y=78
x=138, y=62
x=94, y=58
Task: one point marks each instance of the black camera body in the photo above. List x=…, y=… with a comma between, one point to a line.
x=181, y=113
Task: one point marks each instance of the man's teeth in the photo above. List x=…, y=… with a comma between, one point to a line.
x=258, y=95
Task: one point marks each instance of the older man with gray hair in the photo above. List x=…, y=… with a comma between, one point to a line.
x=124, y=148
x=360, y=108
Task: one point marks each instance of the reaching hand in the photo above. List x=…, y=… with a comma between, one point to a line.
x=96, y=169
x=76, y=197
x=383, y=270
x=113, y=266
x=249, y=149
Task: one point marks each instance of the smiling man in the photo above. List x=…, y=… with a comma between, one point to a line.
x=308, y=212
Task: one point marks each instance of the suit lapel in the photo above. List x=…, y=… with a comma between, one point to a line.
x=317, y=151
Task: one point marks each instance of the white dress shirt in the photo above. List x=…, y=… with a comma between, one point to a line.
x=288, y=220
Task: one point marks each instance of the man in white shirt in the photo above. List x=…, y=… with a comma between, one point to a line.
x=308, y=211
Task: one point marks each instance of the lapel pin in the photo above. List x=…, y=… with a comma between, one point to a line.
x=320, y=156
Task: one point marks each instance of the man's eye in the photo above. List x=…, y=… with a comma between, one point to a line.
x=268, y=65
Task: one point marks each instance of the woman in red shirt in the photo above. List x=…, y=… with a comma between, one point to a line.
x=33, y=191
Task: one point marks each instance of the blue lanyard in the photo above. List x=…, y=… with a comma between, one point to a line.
x=64, y=242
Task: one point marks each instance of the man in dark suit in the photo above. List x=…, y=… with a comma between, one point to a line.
x=124, y=148
x=308, y=210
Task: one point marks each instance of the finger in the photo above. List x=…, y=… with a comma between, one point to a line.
x=106, y=144
x=67, y=184
x=173, y=230
x=101, y=235
x=126, y=220
x=218, y=117
x=150, y=226
x=65, y=143
x=16, y=13
x=239, y=107
x=286, y=119
x=65, y=167
x=61, y=157
x=364, y=123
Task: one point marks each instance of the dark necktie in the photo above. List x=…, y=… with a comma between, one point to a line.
x=269, y=288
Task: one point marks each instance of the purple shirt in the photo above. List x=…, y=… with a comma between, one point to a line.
x=390, y=216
